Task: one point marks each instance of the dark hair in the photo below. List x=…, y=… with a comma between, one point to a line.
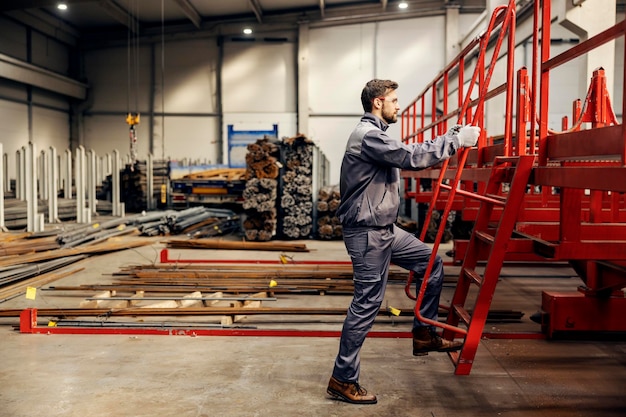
x=375, y=88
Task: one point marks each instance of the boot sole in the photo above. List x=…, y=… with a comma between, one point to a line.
x=338, y=396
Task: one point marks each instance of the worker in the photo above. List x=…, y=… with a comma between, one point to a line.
x=370, y=200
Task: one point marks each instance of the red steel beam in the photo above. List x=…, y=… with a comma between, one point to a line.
x=28, y=325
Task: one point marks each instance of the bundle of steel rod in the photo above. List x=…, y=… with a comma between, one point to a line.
x=102, y=247
x=19, y=272
x=12, y=290
x=493, y=316
x=105, y=312
x=290, y=278
x=24, y=246
x=148, y=224
x=236, y=245
x=197, y=220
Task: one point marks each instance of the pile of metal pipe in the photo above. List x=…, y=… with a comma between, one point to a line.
x=158, y=223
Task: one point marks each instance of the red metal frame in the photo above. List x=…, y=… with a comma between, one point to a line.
x=575, y=207
x=29, y=325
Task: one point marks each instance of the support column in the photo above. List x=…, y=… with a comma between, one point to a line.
x=150, y=183
x=303, y=78
x=33, y=222
x=452, y=32
x=117, y=207
x=91, y=182
x=80, y=174
x=42, y=172
x=52, y=180
x=7, y=178
x=67, y=175
x=3, y=175
x=20, y=189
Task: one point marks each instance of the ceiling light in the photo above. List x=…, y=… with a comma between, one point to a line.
x=403, y=5
x=62, y=6
x=247, y=31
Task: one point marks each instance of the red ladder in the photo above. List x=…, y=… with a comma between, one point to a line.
x=515, y=171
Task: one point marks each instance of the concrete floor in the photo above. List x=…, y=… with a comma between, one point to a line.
x=115, y=375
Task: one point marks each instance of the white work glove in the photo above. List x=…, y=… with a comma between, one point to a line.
x=468, y=135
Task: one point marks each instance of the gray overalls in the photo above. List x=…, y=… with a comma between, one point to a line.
x=370, y=187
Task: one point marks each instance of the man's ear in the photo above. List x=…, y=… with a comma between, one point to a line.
x=377, y=103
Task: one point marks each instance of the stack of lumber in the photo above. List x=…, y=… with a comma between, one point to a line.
x=296, y=199
x=234, y=245
x=261, y=192
x=328, y=225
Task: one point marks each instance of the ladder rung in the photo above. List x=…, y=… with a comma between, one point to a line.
x=454, y=356
x=462, y=313
x=503, y=158
x=485, y=237
x=487, y=198
x=473, y=276
x=499, y=198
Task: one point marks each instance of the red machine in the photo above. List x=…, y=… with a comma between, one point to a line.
x=533, y=194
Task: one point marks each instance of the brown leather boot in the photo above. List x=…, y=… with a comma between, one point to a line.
x=425, y=340
x=350, y=392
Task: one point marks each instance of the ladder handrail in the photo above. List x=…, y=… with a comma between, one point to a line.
x=508, y=23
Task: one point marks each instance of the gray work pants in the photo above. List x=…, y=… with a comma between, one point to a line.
x=371, y=251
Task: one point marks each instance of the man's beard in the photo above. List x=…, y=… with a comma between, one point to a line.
x=390, y=118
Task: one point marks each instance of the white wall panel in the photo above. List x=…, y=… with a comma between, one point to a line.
x=331, y=135
x=108, y=77
x=190, y=77
x=103, y=134
x=259, y=77
x=50, y=128
x=341, y=61
x=189, y=137
x=411, y=52
x=13, y=130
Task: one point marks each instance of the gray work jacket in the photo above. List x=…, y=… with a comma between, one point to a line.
x=370, y=171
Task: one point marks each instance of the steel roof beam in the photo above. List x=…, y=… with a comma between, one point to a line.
x=190, y=11
x=23, y=72
x=120, y=14
x=256, y=8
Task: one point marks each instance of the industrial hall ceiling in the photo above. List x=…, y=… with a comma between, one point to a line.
x=103, y=20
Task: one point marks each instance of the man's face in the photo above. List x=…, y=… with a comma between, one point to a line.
x=390, y=108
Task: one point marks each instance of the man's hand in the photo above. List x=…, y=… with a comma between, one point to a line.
x=468, y=135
